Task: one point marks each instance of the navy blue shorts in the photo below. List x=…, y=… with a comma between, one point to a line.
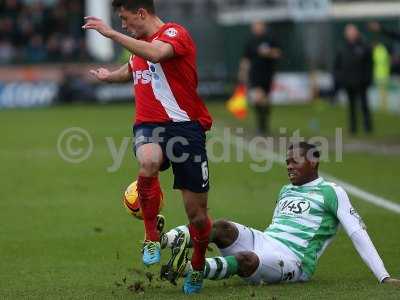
x=184, y=148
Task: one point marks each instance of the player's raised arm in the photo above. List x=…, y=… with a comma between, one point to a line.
x=356, y=230
x=154, y=52
x=121, y=75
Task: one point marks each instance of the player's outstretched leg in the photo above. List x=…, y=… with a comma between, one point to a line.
x=223, y=234
x=218, y=268
x=167, y=239
x=243, y=264
x=160, y=225
x=177, y=264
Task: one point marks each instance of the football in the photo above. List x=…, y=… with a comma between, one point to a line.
x=131, y=201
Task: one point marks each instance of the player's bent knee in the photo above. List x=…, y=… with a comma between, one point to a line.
x=224, y=233
x=248, y=263
x=149, y=168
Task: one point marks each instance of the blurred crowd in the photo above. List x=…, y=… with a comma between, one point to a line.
x=33, y=31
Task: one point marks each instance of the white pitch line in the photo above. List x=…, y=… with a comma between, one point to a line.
x=351, y=189
x=364, y=195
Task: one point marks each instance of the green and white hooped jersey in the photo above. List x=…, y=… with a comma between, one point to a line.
x=307, y=217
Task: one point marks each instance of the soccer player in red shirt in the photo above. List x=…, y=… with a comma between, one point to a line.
x=171, y=121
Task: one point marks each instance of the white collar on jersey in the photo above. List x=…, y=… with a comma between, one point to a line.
x=311, y=183
x=314, y=182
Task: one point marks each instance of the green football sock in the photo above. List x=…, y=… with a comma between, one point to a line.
x=220, y=267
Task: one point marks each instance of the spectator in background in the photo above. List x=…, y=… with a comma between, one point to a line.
x=41, y=31
x=35, y=52
x=257, y=69
x=378, y=28
x=6, y=51
x=353, y=72
x=382, y=72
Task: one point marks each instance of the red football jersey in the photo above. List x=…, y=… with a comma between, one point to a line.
x=167, y=91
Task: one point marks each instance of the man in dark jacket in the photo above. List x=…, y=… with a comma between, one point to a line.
x=257, y=69
x=353, y=72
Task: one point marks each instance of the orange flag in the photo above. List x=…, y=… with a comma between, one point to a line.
x=237, y=105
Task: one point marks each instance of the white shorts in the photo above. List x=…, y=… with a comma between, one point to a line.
x=277, y=262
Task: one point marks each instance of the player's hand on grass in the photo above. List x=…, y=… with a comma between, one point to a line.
x=392, y=281
x=98, y=24
x=101, y=74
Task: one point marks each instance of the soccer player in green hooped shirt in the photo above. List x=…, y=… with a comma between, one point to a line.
x=306, y=218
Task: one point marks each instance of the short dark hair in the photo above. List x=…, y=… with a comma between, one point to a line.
x=309, y=149
x=134, y=5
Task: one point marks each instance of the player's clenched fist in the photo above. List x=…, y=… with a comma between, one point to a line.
x=98, y=24
x=101, y=74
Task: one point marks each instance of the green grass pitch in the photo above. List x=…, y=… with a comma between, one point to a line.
x=65, y=235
